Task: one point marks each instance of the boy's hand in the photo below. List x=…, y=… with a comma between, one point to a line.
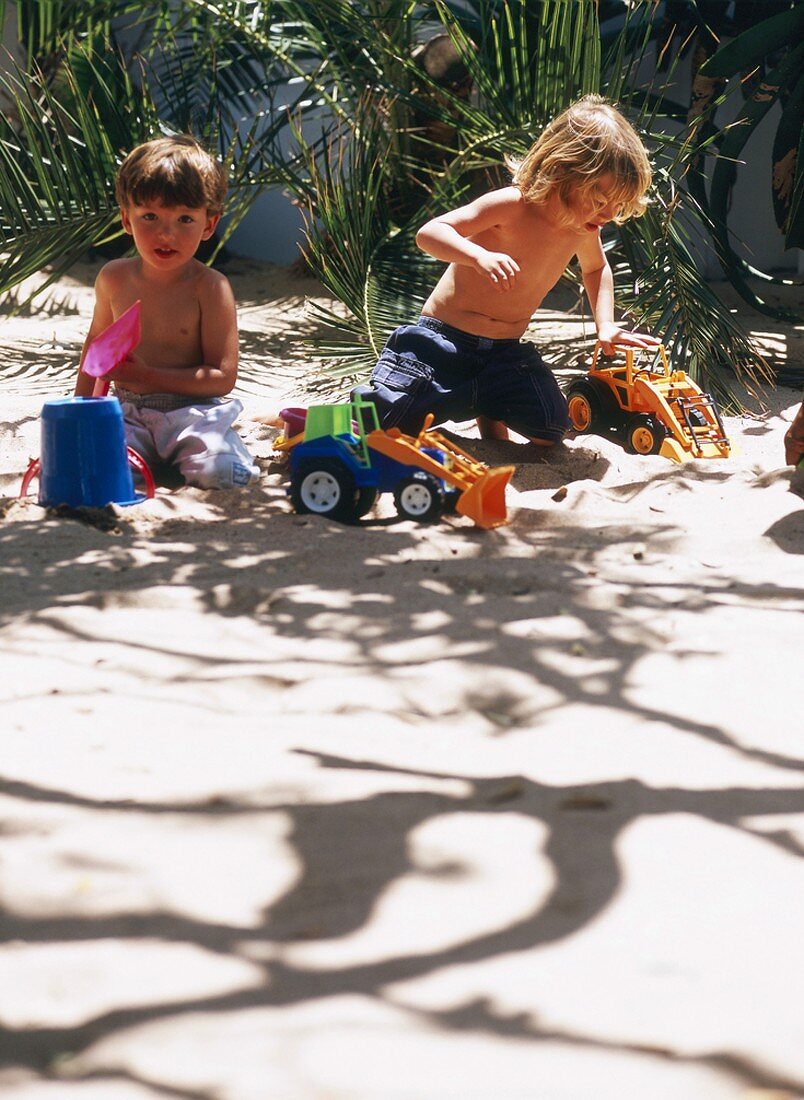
x=498, y=267
x=611, y=336
x=794, y=439
x=132, y=371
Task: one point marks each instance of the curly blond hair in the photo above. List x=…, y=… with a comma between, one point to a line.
x=175, y=171
x=587, y=141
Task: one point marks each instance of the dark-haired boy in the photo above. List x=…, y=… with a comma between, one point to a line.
x=173, y=389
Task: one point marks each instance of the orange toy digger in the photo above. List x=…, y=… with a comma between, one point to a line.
x=652, y=409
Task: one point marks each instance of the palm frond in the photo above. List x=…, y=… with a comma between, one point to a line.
x=57, y=164
x=661, y=288
x=730, y=149
x=353, y=245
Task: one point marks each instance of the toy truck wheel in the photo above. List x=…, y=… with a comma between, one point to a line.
x=581, y=408
x=365, y=501
x=324, y=488
x=644, y=435
x=592, y=407
x=419, y=497
x=587, y=406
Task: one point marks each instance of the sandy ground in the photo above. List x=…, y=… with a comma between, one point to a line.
x=297, y=811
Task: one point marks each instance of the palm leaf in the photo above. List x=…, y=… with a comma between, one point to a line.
x=751, y=47
x=788, y=169
x=353, y=245
x=56, y=170
x=670, y=297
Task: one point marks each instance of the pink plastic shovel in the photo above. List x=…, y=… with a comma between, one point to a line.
x=111, y=347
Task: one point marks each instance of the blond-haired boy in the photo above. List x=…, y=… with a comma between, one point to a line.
x=172, y=390
x=505, y=251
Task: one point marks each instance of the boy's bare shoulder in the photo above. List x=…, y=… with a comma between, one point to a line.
x=211, y=283
x=504, y=197
x=494, y=208
x=114, y=271
x=209, y=275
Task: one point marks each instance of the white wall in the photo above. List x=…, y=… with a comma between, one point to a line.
x=272, y=230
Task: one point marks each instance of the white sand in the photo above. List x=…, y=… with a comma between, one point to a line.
x=297, y=811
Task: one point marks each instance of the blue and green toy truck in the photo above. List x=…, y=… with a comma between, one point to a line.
x=343, y=459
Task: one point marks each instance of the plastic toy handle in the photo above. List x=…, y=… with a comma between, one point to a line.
x=136, y=460
x=141, y=466
x=34, y=470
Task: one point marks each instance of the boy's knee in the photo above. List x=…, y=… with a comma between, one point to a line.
x=548, y=436
x=558, y=419
x=547, y=420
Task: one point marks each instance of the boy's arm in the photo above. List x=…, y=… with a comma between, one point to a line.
x=218, y=337
x=794, y=439
x=598, y=282
x=447, y=236
x=102, y=317
x=217, y=374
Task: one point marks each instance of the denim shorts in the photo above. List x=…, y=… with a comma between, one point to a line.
x=431, y=367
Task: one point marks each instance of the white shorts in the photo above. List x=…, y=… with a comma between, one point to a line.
x=197, y=438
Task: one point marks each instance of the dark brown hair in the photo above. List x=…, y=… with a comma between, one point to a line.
x=175, y=171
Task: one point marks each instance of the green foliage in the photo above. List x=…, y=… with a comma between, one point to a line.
x=669, y=296
x=103, y=77
x=57, y=164
x=337, y=102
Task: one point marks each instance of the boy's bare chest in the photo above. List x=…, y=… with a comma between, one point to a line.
x=535, y=245
x=170, y=322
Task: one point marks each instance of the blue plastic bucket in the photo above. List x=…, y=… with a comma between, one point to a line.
x=83, y=459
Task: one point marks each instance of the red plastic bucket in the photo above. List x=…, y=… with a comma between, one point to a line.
x=294, y=421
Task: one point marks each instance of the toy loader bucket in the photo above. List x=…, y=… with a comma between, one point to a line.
x=484, y=502
x=702, y=448
x=671, y=448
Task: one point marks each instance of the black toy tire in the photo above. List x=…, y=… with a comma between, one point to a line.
x=644, y=435
x=419, y=497
x=591, y=406
x=325, y=488
x=365, y=501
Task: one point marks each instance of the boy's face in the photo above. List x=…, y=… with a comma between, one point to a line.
x=167, y=237
x=592, y=209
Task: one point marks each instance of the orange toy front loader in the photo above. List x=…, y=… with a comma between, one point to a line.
x=655, y=410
